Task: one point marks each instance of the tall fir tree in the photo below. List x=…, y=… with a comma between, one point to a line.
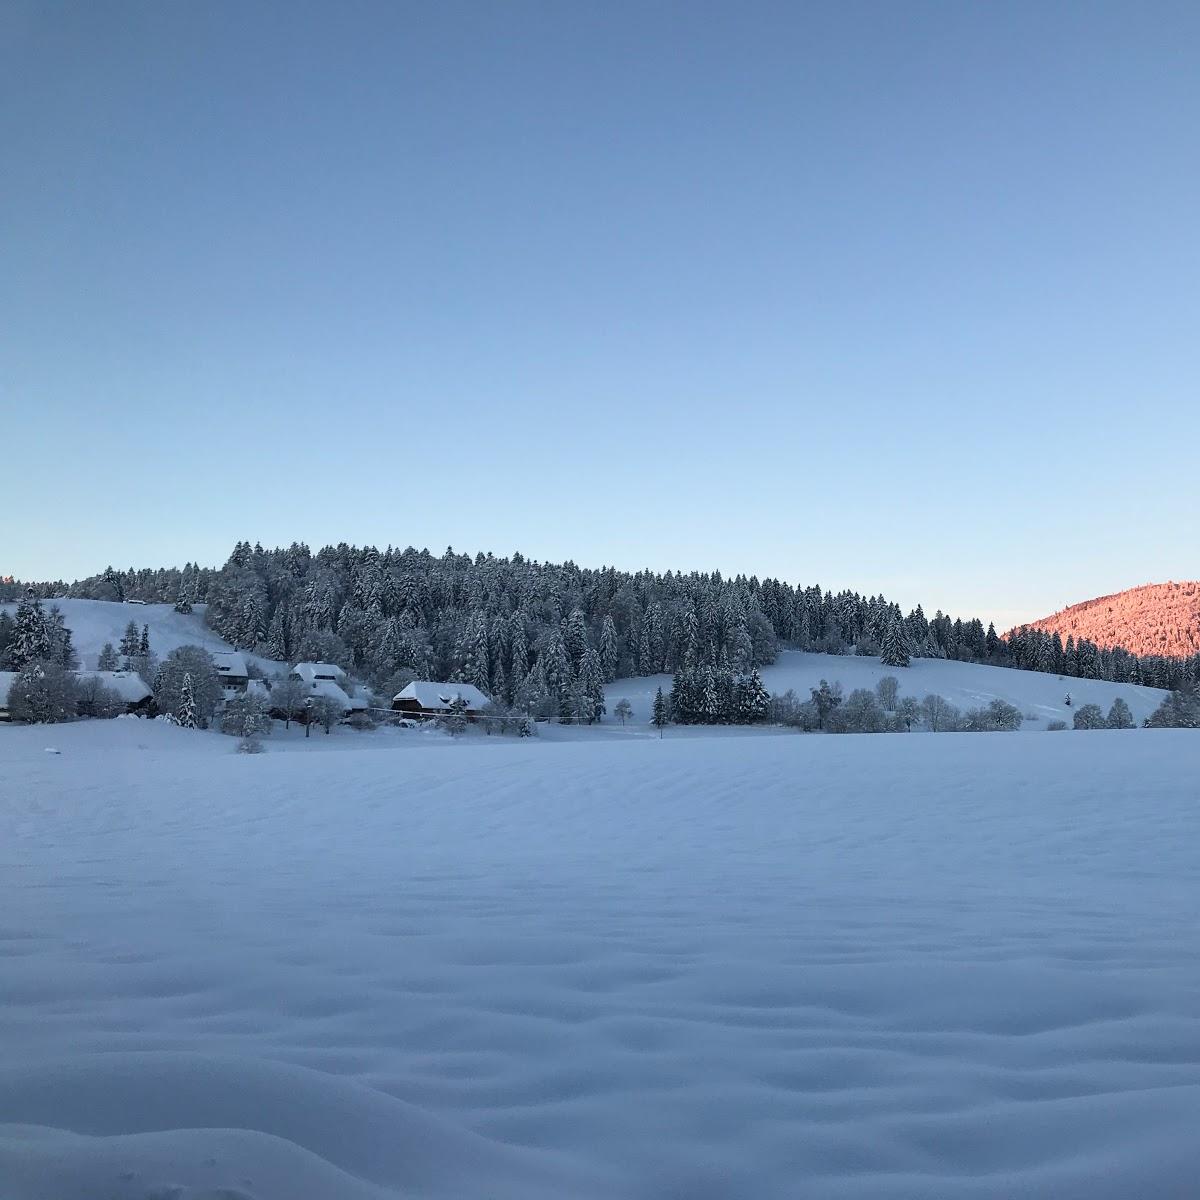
x=610, y=653
x=895, y=653
x=659, y=715
x=30, y=636
x=185, y=715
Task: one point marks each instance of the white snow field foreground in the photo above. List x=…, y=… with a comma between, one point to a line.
x=916, y=966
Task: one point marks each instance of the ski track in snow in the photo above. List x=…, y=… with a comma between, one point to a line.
x=925, y=966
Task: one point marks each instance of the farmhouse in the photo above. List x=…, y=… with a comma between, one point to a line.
x=425, y=699
x=231, y=667
x=127, y=684
x=323, y=679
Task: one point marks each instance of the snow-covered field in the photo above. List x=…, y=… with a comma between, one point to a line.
x=94, y=622
x=922, y=966
x=1041, y=698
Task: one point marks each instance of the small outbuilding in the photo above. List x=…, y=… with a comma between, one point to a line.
x=426, y=699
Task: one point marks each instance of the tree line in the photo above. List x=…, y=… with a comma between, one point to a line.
x=545, y=637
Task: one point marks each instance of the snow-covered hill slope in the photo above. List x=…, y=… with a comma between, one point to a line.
x=1041, y=698
x=882, y=968
x=94, y=622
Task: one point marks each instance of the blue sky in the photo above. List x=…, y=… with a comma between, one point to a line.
x=895, y=297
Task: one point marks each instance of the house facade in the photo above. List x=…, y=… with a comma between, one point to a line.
x=231, y=667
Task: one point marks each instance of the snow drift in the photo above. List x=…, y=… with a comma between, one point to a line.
x=910, y=966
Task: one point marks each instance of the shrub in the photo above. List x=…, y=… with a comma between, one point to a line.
x=1055, y=726
x=326, y=712
x=246, y=716
x=998, y=716
x=860, y=713
x=940, y=715
x=43, y=693
x=96, y=699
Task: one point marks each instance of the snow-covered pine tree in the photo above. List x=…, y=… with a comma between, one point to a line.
x=659, y=717
x=455, y=720
x=895, y=653
x=752, y=698
x=58, y=639
x=710, y=700
x=108, y=658
x=131, y=645
x=575, y=637
x=591, y=678
x=6, y=637
x=30, y=637
x=276, y=647
x=610, y=652
x=144, y=642
x=556, y=667
x=185, y=714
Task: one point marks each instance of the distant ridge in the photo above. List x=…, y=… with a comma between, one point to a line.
x=1154, y=619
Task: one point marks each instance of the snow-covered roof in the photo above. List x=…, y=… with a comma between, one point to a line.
x=310, y=672
x=130, y=687
x=230, y=662
x=432, y=695
x=323, y=687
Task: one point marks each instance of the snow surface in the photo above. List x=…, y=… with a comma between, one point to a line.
x=927, y=966
x=1040, y=697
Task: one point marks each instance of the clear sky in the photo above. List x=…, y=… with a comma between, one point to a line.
x=898, y=297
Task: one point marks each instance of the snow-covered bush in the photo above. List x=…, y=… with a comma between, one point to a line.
x=940, y=715
x=96, y=699
x=245, y=716
x=325, y=712
x=888, y=691
x=859, y=713
x=454, y=721
x=998, y=716
x=1055, y=726
x=43, y=693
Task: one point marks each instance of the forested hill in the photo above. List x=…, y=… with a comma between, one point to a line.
x=512, y=623
x=1155, y=619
